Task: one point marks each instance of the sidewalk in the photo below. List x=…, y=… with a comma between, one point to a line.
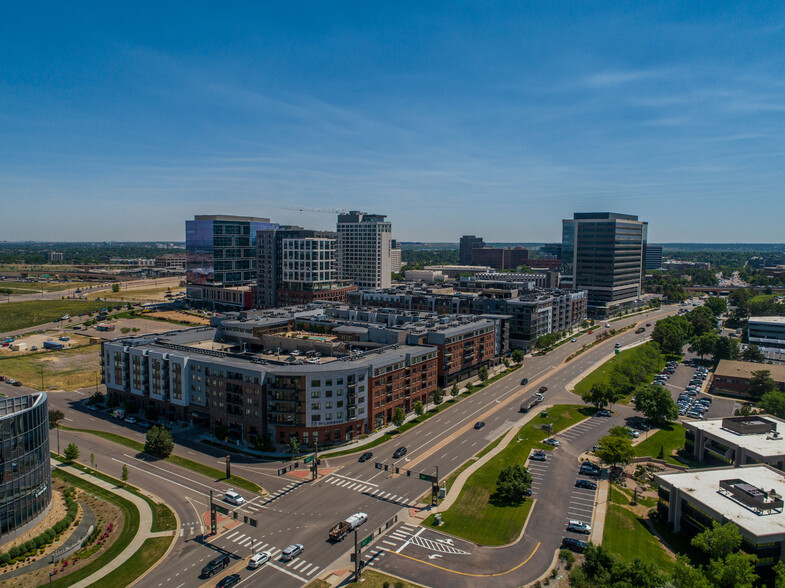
x=143, y=533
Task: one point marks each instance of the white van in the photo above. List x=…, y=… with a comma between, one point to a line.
x=234, y=498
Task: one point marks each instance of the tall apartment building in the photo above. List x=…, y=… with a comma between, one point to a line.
x=602, y=253
x=297, y=266
x=395, y=258
x=364, y=245
x=467, y=243
x=220, y=254
x=653, y=257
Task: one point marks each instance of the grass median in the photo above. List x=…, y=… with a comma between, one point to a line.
x=628, y=535
x=622, y=363
x=474, y=516
x=128, y=532
x=152, y=550
x=194, y=466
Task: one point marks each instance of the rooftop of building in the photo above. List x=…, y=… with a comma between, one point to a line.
x=230, y=218
x=604, y=216
x=16, y=404
x=728, y=368
x=703, y=487
x=772, y=320
x=731, y=431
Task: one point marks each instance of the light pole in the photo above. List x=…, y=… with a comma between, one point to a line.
x=58, y=437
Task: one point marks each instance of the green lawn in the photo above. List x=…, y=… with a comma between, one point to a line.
x=20, y=315
x=130, y=527
x=670, y=438
x=602, y=373
x=151, y=551
x=473, y=516
x=194, y=466
x=628, y=536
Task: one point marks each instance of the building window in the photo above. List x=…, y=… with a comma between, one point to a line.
x=316, y=383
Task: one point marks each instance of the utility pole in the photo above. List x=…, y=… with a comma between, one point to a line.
x=357, y=568
x=228, y=466
x=58, y=437
x=315, y=464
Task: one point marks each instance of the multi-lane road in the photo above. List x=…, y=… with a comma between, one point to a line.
x=298, y=511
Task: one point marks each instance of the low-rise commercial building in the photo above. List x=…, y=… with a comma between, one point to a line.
x=171, y=261
x=732, y=378
x=767, y=332
x=749, y=496
x=738, y=441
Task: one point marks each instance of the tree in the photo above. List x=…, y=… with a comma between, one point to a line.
x=619, y=431
x=97, y=398
x=670, y=333
x=71, y=452
x=704, y=344
x=685, y=576
x=398, y=416
x=702, y=320
x=545, y=341
x=55, y=416
x=438, y=396
x=719, y=541
x=483, y=373
x=761, y=382
x=716, y=305
x=454, y=391
x=159, y=442
x=419, y=410
x=779, y=575
x=294, y=446
x=221, y=431
x=115, y=288
x=736, y=570
x=773, y=402
x=599, y=395
x=656, y=404
x=517, y=355
x=754, y=354
x=725, y=348
x=124, y=475
x=512, y=484
x=615, y=450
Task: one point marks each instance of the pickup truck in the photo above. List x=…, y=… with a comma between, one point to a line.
x=342, y=529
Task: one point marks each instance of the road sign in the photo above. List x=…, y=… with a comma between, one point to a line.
x=366, y=541
x=428, y=477
x=221, y=509
x=308, y=459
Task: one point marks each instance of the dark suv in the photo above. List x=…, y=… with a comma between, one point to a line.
x=574, y=544
x=216, y=565
x=400, y=452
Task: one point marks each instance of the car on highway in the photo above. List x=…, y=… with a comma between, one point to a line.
x=617, y=345
x=543, y=389
x=229, y=581
x=479, y=425
x=574, y=544
x=524, y=381
x=292, y=551
x=259, y=559
x=603, y=412
x=130, y=420
x=579, y=527
x=590, y=332
x=588, y=484
x=551, y=441
x=538, y=455
x=400, y=452
x=365, y=457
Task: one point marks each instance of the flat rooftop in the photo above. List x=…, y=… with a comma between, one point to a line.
x=760, y=443
x=703, y=487
x=729, y=368
x=774, y=320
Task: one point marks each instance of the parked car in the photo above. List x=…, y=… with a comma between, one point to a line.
x=574, y=544
x=579, y=527
x=479, y=425
x=603, y=412
x=292, y=551
x=551, y=441
x=400, y=452
x=617, y=345
x=538, y=455
x=365, y=457
x=588, y=484
x=130, y=420
x=573, y=340
x=633, y=433
x=17, y=383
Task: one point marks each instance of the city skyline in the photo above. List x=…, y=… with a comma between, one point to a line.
x=449, y=119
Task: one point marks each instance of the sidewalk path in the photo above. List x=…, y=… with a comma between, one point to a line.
x=143, y=533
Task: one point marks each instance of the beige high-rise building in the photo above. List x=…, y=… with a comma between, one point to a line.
x=365, y=242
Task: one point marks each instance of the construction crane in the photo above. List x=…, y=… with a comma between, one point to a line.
x=322, y=210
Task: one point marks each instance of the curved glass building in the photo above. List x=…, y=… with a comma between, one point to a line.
x=25, y=470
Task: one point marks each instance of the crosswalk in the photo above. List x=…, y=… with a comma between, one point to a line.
x=389, y=542
x=276, y=495
x=300, y=565
x=188, y=529
x=370, y=489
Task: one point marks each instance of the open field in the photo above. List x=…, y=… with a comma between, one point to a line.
x=476, y=515
x=670, y=438
x=627, y=535
x=32, y=287
x=21, y=315
x=156, y=294
x=68, y=369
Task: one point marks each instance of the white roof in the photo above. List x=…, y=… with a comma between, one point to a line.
x=779, y=320
x=760, y=444
x=702, y=487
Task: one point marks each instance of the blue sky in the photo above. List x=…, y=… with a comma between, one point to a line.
x=120, y=121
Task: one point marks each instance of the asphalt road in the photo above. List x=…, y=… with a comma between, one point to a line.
x=303, y=512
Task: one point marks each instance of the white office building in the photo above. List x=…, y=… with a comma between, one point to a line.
x=365, y=243
x=767, y=332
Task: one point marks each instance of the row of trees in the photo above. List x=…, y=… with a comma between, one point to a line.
x=725, y=566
